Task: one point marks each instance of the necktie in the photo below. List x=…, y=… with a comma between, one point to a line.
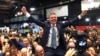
x=53, y=40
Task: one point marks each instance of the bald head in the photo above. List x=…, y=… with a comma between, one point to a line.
x=39, y=51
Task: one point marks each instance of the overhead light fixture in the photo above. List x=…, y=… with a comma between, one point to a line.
x=87, y=19
x=65, y=17
x=32, y=9
x=18, y=14
x=98, y=20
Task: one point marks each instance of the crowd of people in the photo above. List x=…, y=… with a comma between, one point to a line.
x=92, y=38
x=53, y=39
x=12, y=44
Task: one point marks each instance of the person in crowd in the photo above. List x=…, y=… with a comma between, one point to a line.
x=53, y=40
x=39, y=35
x=92, y=36
x=73, y=31
x=70, y=43
x=97, y=44
x=6, y=47
x=87, y=29
x=39, y=51
x=25, y=43
x=14, y=51
x=89, y=43
x=71, y=50
x=24, y=52
x=29, y=36
x=91, y=50
x=94, y=28
x=7, y=54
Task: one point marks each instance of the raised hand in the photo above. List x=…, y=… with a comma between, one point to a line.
x=70, y=52
x=83, y=13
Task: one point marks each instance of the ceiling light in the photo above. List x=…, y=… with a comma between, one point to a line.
x=98, y=20
x=87, y=19
x=96, y=5
x=32, y=9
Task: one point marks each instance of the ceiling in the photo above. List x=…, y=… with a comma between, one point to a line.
x=7, y=7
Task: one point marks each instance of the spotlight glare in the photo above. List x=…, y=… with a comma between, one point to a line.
x=98, y=20
x=32, y=9
x=87, y=19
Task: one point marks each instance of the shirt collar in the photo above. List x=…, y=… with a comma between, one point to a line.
x=53, y=25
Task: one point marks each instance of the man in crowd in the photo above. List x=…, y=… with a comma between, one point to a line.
x=53, y=40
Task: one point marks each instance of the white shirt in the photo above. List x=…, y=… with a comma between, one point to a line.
x=50, y=37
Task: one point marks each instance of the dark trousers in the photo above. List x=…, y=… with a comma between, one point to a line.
x=54, y=52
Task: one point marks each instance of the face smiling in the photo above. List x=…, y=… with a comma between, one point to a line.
x=53, y=18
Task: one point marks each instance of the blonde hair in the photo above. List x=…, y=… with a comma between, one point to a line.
x=51, y=14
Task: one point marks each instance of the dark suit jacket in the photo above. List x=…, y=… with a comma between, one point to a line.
x=46, y=26
x=19, y=45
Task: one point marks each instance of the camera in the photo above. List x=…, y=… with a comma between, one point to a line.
x=81, y=42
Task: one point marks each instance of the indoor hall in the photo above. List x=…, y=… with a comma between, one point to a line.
x=49, y=28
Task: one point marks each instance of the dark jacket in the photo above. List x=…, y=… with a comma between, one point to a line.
x=46, y=27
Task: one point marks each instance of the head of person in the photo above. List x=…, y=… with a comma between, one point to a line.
x=6, y=44
x=7, y=54
x=89, y=42
x=52, y=18
x=14, y=51
x=26, y=42
x=28, y=34
x=92, y=51
x=39, y=51
x=24, y=52
x=41, y=31
x=71, y=44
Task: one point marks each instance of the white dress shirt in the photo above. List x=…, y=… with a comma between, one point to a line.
x=50, y=34
x=50, y=37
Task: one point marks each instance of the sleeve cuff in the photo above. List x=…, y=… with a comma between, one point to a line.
x=27, y=14
x=79, y=17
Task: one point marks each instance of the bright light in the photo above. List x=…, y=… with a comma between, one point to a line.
x=87, y=19
x=98, y=20
x=19, y=13
x=32, y=9
x=91, y=0
x=65, y=18
x=63, y=21
x=96, y=5
x=25, y=24
x=16, y=15
x=90, y=4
